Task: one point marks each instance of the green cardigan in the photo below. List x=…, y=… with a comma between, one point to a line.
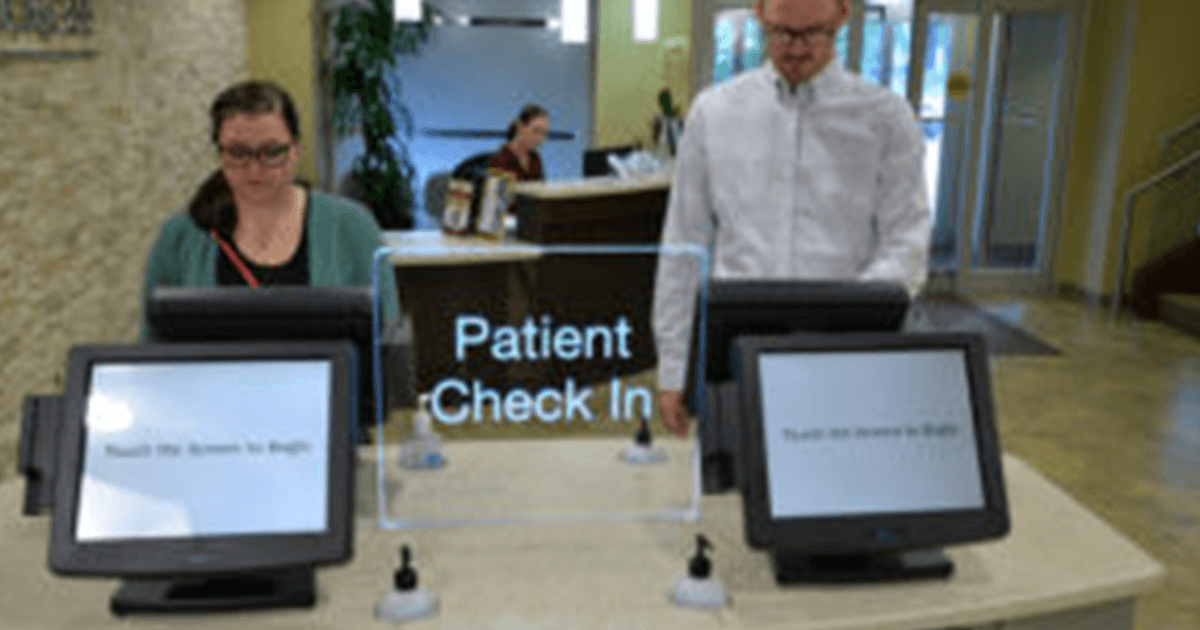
x=342, y=238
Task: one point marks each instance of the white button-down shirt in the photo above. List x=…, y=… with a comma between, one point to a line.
x=823, y=182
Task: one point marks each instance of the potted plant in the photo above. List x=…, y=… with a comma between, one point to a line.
x=668, y=125
x=367, y=100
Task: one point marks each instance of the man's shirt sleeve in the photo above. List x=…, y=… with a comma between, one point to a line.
x=689, y=219
x=902, y=216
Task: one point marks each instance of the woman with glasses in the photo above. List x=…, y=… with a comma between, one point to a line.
x=252, y=224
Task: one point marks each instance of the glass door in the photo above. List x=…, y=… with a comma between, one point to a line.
x=947, y=45
x=726, y=41
x=886, y=29
x=995, y=185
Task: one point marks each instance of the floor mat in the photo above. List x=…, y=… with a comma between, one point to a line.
x=950, y=313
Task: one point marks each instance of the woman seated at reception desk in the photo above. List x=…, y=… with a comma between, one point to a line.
x=519, y=156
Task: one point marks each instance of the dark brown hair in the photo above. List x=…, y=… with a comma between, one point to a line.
x=528, y=113
x=212, y=205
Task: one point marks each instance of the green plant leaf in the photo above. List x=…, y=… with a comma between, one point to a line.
x=367, y=97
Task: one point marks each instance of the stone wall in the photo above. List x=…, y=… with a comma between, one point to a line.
x=95, y=154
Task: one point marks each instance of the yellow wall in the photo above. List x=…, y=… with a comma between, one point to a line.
x=1100, y=48
x=1164, y=89
x=629, y=75
x=280, y=45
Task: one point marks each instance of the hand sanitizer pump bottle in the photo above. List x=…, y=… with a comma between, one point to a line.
x=642, y=451
x=424, y=451
x=700, y=588
x=408, y=602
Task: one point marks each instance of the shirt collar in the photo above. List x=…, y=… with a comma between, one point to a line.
x=823, y=84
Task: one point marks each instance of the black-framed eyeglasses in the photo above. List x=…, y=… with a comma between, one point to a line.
x=239, y=155
x=817, y=35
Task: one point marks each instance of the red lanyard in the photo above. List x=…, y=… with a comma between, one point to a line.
x=236, y=260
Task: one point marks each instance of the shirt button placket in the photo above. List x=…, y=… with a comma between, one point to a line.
x=797, y=185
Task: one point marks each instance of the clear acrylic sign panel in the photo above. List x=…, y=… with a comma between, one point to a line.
x=528, y=372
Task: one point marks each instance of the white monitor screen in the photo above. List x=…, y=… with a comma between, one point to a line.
x=215, y=448
x=852, y=433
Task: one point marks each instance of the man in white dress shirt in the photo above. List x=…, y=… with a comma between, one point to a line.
x=796, y=170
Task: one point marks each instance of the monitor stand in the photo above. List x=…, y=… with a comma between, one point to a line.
x=285, y=588
x=792, y=568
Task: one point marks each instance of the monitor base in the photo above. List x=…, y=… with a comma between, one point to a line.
x=291, y=588
x=792, y=568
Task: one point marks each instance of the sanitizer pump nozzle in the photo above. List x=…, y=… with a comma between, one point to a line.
x=643, y=438
x=700, y=567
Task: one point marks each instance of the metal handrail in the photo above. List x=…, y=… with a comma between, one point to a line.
x=1118, y=287
x=1177, y=131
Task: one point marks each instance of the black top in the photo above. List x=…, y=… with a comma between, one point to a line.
x=294, y=271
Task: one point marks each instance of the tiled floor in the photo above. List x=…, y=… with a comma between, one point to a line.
x=1114, y=420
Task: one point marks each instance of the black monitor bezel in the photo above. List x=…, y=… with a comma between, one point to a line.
x=878, y=532
x=266, y=303
x=206, y=555
x=194, y=314
x=763, y=307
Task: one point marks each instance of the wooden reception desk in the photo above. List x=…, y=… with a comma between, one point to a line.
x=592, y=210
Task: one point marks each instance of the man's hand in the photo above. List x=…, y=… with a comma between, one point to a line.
x=674, y=415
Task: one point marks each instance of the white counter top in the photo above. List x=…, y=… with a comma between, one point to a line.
x=1059, y=559
x=433, y=247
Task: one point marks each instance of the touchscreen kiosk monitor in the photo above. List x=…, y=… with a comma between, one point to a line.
x=206, y=476
x=271, y=314
x=771, y=307
x=867, y=453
